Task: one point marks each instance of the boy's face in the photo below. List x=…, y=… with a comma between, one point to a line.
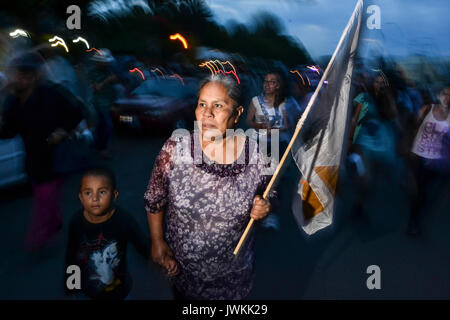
x=96, y=195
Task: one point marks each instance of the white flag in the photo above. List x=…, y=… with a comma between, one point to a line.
x=318, y=149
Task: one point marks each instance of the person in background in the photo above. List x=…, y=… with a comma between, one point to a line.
x=43, y=114
x=429, y=158
x=373, y=135
x=268, y=110
x=102, y=79
x=298, y=100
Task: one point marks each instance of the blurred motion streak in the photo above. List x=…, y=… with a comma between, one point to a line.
x=231, y=65
x=98, y=51
x=156, y=69
x=81, y=39
x=175, y=75
x=313, y=68
x=59, y=41
x=178, y=36
x=19, y=33
x=206, y=65
x=215, y=69
x=136, y=69
x=218, y=63
x=296, y=71
x=231, y=71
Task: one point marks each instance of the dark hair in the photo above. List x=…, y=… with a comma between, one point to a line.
x=100, y=172
x=281, y=93
x=233, y=89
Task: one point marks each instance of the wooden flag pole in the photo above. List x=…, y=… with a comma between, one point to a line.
x=297, y=130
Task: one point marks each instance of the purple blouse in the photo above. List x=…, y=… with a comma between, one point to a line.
x=207, y=207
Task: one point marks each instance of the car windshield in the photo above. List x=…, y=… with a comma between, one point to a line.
x=165, y=88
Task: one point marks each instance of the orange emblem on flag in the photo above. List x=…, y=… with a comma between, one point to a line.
x=311, y=203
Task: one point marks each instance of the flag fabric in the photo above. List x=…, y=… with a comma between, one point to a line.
x=317, y=150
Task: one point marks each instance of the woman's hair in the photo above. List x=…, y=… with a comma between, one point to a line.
x=385, y=101
x=100, y=172
x=281, y=93
x=232, y=87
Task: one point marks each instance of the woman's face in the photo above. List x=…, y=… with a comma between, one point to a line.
x=444, y=97
x=271, y=84
x=215, y=111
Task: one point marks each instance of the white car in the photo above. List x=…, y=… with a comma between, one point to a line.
x=12, y=162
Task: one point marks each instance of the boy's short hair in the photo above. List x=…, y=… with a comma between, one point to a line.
x=100, y=172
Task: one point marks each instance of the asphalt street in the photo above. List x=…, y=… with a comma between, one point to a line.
x=331, y=264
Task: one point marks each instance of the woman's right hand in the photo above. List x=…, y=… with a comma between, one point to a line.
x=163, y=255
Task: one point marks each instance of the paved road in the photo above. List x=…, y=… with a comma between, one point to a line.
x=290, y=265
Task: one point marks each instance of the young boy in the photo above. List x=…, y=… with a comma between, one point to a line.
x=98, y=237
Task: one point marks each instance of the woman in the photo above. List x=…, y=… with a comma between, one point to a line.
x=373, y=127
x=43, y=114
x=268, y=110
x=430, y=153
x=102, y=80
x=373, y=136
x=207, y=204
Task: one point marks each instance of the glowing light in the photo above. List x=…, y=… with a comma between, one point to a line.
x=96, y=50
x=59, y=42
x=19, y=33
x=218, y=63
x=211, y=65
x=156, y=69
x=215, y=68
x=313, y=68
x=231, y=71
x=175, y=75
x=296, y=71
x=136, y=69
x=308, y=80
x=231, y=65
x=206, y=65
x=326, y=82
x=81, y=39
x=178, y=36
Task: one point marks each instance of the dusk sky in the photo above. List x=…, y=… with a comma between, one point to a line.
x=407, y=26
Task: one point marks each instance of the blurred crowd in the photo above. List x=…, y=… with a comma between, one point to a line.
x=396, y=122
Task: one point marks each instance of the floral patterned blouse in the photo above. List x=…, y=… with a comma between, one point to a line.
x=207, y=207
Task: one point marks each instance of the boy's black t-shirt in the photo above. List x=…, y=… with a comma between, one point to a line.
x=100, y=252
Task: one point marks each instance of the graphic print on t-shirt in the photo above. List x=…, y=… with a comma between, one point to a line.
x=102, y=258
x=105, y=262
x=430, y=142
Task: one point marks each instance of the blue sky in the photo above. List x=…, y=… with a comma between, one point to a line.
x=407, y=26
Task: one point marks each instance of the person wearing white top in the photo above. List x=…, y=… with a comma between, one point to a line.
x=268, y=110
x=430, y=147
